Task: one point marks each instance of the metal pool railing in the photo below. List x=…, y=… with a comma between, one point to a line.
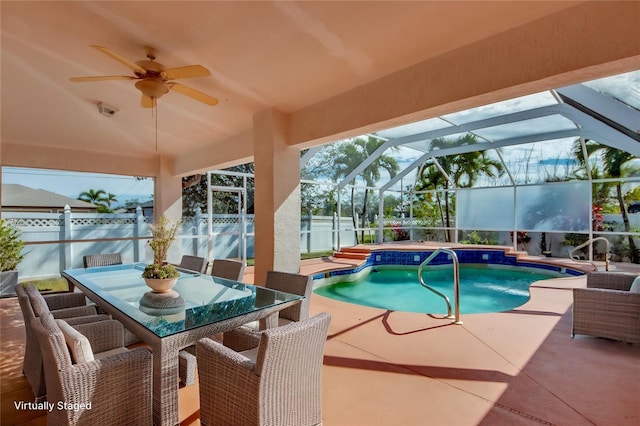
x=456, y=282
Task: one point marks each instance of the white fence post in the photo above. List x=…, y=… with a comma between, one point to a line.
x=335, y=230
x=137, y=232
x=68, y=247
x=196, y=230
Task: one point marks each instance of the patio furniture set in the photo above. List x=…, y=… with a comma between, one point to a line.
x=266, y=370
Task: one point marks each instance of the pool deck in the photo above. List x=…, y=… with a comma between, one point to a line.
x=402, y=369
x=515, y=368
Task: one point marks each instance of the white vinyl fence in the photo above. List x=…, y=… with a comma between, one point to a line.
x=58, y=241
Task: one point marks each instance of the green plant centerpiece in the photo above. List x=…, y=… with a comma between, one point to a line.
x=160, y=275
x=11, y=245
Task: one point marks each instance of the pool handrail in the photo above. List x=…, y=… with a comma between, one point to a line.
x=591, y=241
x=456, y=282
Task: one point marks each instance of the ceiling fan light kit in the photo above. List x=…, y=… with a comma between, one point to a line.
x=154, y=79
x=152, y=88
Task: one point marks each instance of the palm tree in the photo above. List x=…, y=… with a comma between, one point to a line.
x=351, y=155
x=93, y=196
x=463, y=170
x=100, y=198
x=110, y=199
x=615, y=164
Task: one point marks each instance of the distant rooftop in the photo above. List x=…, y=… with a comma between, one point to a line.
x=17, y=197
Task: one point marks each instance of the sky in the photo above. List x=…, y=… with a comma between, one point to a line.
x=71, y=184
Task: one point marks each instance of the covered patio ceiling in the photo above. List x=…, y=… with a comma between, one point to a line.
x=335, y=69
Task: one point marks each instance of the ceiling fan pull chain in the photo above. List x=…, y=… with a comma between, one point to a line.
x=155, y=107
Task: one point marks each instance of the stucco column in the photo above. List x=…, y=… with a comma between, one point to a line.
x=167, y=192
x=277, y=195
x=167, y=201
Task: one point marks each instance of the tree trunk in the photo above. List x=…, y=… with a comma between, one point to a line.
x=353, y=216
x=634, y=255
x=446, y=205
x=364, y=214
x=441, y=213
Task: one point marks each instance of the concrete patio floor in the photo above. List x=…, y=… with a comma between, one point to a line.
x=392, y=368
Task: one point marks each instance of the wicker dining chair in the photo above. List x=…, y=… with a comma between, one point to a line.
x=113, y=389
x=607, y=308
x=275, y=380
x=224, y=268
x=299, y=284
x=228, y=268
x=104, y=259
x=70, y=306
x=108, y=259
x=193, y=263
x=302, y=285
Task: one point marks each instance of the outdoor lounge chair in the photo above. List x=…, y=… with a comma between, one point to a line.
x=105, y=259
x=275, y=379
x=70, y=306
x=110, y=388
x=607, y=308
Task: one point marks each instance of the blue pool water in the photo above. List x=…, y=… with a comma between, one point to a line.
x=482, y=289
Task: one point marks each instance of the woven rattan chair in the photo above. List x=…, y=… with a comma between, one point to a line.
x=105, y=259
x=69, y=304
x=228, y=268
x=276, y=380
x=223, y=268
x=193, y=263
x=606, y=308
x=115, y=389
x=108, y=259
x=302, y=285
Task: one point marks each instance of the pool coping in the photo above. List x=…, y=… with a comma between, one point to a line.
x=360, y=257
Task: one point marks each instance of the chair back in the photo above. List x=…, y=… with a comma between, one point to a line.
x=289, y=363
x=228, y=268
x=193, y=263
x=32, y=363
x=55, y=357
x=104, y=259
x=301, y=285
x=36, y=299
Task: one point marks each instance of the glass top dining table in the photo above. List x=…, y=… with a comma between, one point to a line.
x=198, y=306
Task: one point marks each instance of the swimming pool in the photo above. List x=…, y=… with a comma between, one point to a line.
x=494, y=284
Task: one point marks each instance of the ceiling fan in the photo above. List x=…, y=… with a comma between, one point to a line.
x=154, y=80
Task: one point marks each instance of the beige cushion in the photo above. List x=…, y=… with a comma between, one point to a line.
x=77, y=343
x=252, y=354
x=635, y=285
x=255, y=325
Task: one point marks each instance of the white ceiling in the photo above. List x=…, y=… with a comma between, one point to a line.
x=287, y=55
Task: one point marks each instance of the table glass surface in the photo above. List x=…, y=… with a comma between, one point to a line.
x=196, y=299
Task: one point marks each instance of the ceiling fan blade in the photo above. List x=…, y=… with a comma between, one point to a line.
x=137, y=68
x=147, y=102
x=101, y=78
x=186, y=72
x=193, y=93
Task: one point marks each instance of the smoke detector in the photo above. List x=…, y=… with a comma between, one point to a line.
x=106, y=110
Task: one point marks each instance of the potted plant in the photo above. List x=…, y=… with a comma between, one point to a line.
x=160, y=275
x=10, y=256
